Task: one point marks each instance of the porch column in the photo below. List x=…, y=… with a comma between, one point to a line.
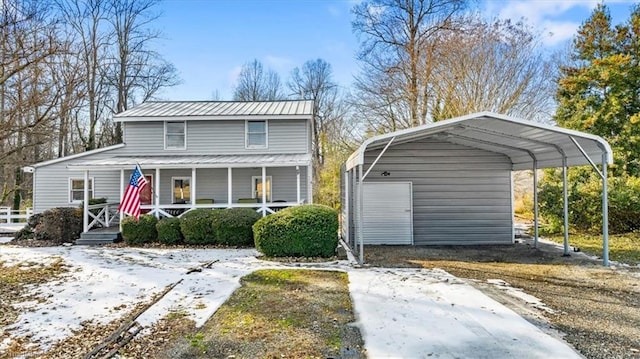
x=310, y=183
x=156, y=194
x=565, y=207
x=298, y=184
x=192, y=195
x=360, y=216
x=85, y=211
x=264, y=191
x=229, y=187
x=121, y=195
x=605, y=213
x=535, y=203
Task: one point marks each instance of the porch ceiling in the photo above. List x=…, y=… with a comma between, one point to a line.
x=197, y=161
x=520, y=140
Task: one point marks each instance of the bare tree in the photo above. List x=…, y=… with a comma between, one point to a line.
x=257, y=84
x=395, y=56
x=134, y=70
x=492, y=66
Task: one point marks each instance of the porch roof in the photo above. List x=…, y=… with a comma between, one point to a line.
x=198, y=161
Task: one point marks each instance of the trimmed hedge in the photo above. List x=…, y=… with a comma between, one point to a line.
x=139, y=231
x=196, y=226
x=308, y=231
x=169, y=231
x=233, y=226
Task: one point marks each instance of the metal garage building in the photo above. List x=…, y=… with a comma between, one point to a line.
x=450, y=182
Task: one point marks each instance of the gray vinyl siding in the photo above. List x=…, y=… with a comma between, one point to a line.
x=51, y=183
x=211, y=183
x=216, y=137
x=461, y=195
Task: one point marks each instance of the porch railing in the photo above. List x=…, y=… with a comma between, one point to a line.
x=103, y=215
x=177, y=210
x=8, y=215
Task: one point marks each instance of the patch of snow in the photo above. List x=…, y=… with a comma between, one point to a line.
x=6, y=239
x=520, y=294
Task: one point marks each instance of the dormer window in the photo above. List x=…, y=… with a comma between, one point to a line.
x=175, y=135
x=256, y=134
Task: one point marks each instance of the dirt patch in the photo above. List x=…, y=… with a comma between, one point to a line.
x=597, y=308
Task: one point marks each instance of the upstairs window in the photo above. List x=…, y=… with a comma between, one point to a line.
x=256, y=134
x=175, y=135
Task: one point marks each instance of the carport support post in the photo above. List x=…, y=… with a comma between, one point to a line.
x=605, y=212
x=565, y=206
x=535, y=203
x=360, y=217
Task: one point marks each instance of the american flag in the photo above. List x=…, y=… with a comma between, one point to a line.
x=130, y=203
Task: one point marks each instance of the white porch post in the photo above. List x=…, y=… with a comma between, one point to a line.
x=192, y=195
x=156, y=194
x=298, y=184
x=264, y=191
x=121, y=195
x=360, y=216
x=229, y=187
x=85, y=214
x=310, y=183
x=605, y=213
x=565, y=206
x=535, y=203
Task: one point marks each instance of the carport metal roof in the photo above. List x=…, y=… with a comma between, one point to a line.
x=520, y=140
x=529, y=145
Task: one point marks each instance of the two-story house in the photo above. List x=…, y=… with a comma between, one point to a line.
x=207, y=154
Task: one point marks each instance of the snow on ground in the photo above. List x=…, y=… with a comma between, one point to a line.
x=417, y=313
x=401, y=312
x=5, y=239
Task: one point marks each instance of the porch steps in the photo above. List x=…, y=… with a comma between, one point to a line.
x=100, y=236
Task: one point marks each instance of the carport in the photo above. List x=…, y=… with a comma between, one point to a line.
x=450, y=182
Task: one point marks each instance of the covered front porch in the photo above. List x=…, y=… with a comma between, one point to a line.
x=178, y=184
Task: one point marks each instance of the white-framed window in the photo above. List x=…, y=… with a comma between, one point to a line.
x=175, y=135
x=257, y=187
x=256, y=133
x=181, y=190
x=76, y=189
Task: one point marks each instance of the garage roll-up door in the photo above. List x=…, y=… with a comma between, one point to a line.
x=387, y=213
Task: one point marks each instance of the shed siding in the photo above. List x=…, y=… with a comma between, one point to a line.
x=461, y=195
x=216, y=137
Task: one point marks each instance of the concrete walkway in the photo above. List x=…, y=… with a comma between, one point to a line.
x=414, y=313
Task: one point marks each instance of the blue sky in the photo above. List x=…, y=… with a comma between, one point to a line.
x=209, y=40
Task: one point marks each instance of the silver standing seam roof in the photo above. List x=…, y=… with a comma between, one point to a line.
x=191, y=161
x=217, y=110
x=518, y=139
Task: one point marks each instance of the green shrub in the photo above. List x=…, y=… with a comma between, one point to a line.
x=60, y=225
x=196, y=226
x=169, y=231
x=233, y=226
x=309, y=231
x=139, y=231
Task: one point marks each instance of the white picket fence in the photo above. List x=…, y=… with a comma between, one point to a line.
x=8, y=215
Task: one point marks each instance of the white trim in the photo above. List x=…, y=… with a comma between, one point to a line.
x=246, y=135
x=240, y=117
x=182, y=178
x=270, y=189
x=71, y=179
x=77, y=155
x=184, y=145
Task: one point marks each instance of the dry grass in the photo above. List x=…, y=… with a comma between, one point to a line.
x=624, y=248
x=280, y=314
x=597, y=307
x=14, y=283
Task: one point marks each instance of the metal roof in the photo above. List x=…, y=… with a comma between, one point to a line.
x=520, y=140
x=77, y=155
x=197, y=161
x=217, y=110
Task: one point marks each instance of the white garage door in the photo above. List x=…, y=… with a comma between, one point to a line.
x=387, y=213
